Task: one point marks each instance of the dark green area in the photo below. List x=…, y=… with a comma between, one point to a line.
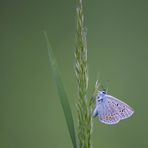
x=30, y=112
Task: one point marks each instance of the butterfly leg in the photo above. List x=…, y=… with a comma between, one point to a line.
x=95, y=112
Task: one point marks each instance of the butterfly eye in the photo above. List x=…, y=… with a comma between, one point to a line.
x=103, y=92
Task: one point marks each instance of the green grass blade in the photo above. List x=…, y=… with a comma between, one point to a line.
x=62, y=94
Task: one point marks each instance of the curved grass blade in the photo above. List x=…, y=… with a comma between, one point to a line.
x=62, y=93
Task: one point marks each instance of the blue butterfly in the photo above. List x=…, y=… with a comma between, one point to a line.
x=111, y=110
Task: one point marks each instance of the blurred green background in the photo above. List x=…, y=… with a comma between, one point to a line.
x=30, y=113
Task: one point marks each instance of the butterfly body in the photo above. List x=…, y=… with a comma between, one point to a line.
x=111, y=110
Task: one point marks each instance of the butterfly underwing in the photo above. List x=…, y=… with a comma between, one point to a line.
x=111, y=110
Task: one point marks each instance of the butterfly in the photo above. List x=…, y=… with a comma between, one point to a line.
x=111, y=110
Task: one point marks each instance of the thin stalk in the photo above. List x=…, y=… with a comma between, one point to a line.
x=84, y=106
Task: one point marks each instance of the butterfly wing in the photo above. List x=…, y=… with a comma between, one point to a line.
x=123, y=110
x=112, y=110
x=107, y=113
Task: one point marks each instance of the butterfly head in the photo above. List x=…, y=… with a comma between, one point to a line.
x=103, y=92
x=100, y=96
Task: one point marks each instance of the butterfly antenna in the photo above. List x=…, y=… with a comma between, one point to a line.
x=97, y=85
x=102, y=87
x=107, y=86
